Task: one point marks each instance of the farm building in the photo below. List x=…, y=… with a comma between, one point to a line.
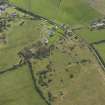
x=98, y=25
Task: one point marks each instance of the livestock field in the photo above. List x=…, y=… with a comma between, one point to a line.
x=46, y=64
x=21, y=31
x=101, y=50
x=16, y=88
x=67, y=11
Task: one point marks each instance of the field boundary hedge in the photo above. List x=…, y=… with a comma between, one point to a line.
x=33, y=14
x=12, y=68
x=29, y=64
x=98, y=42
x=35, y=84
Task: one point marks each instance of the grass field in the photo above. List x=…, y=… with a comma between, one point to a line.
x=101, y=50
x=92, y=36
x=12, y=83
x=17, y=38
x=16, y=88
x=83, y=87
x=68, y=11
x=74, y=76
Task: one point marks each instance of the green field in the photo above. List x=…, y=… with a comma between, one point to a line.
x=74, y=71
x=92, y=36
x=69, y=11
x=18, y=37
x=12, y=83
x=16, y=88
x=101, y=50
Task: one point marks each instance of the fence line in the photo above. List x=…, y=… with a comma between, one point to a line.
x=98, y=42
x=12, y=68
x=35, y=84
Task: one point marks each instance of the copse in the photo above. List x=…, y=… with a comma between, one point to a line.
x=3, y=1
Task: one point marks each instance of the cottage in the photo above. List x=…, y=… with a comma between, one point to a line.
x=100, y=24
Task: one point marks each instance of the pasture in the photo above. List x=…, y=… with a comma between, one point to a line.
x=91, y=36
x=66, y=11
x=16, y=88
x=18, y=37
x=70, y=75
x=101, y=50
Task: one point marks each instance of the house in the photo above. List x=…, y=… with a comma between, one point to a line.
x=98, y=25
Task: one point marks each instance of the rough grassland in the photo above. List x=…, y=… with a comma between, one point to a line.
x=80, y=82
x=71, y=80
x=92, y=36
x=99, y=5
x=17, y=39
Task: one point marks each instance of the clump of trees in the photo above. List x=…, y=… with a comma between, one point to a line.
x=42, y=51
x=2, y=24
x=50, y=96
x=25, y=55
